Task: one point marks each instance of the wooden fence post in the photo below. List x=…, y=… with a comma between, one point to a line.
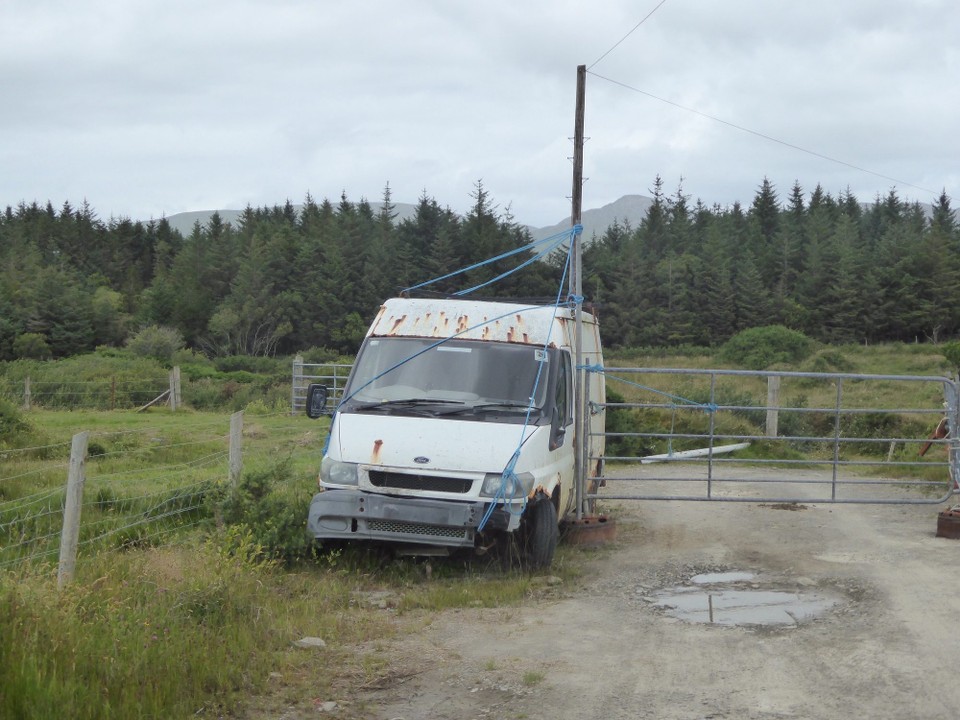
x=773, y=404
x=236, y=451
x=26, y=393
x=174, y=397
x=70, y=535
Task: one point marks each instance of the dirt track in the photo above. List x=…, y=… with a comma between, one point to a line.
x=888, y=648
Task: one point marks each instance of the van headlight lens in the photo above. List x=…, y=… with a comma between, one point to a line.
x=338, y=473
x=514, y=486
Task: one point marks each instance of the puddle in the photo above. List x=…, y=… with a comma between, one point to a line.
x=711, y=578
x=714, y=599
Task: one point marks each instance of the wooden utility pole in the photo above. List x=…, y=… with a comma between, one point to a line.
x=576, y=290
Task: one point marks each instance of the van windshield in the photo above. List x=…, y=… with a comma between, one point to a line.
x=465, y=379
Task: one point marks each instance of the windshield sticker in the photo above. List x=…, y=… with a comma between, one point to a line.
x=541, y=356
x=444, y=348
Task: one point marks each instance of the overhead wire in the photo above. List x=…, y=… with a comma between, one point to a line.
x=763, y=136
x=735, y=126
x=616, y=44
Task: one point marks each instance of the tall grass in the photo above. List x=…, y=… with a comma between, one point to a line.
x=166, y=632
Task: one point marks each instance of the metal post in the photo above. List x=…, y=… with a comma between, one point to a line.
x=712, y=422
x=951, y=393
x=26, y=393
x=236, y=451
x=836, y=439
x=297, y=380
x=70, y=535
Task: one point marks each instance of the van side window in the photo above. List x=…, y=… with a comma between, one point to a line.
x=564, y=390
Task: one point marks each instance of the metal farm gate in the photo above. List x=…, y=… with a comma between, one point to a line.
x=777, y=437
x=333, y=375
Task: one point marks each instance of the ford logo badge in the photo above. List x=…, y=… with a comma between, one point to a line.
x=421, y=460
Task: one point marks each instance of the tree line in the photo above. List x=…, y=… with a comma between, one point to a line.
x=282, y=280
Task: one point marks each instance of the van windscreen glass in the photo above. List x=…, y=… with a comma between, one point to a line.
x=460, y=378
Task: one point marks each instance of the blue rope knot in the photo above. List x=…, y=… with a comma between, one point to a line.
x=577, y=229
x=575, y=299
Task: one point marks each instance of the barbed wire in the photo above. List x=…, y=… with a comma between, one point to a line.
x=28, y=500
x=35, y=447
x=200, y=462
x=49, y=468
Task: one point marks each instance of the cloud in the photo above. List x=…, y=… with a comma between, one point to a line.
x=154, y=107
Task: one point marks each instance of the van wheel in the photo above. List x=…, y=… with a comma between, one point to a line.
x=540, y=533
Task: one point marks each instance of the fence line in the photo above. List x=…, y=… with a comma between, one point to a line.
x=32, y=527
x=32, y=449
x=86, y=513
x=101, y=393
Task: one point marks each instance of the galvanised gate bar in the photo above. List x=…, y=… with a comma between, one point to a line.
x=769, y=436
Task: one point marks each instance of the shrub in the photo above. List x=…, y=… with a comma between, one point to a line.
x=830, y=361
x=759, y=348
x=625, y=420
x=156, y=341
x=253, y=364
x=267, y=506
x=12, y=423
x=32, y=346
x=951, y=351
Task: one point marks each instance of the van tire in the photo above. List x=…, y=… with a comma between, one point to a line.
x=541, y=533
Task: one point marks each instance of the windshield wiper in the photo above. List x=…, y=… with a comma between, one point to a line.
x=491, y=407
x=405, y=404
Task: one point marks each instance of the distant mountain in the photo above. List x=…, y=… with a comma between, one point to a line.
x=184, y=221
x=628, y=209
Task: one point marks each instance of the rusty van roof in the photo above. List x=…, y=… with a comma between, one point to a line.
x=470, y=320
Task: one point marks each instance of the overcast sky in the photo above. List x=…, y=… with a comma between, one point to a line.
x=148, y=108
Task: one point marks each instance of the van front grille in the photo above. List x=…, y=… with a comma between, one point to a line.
x=403, y=481
x=392, y=526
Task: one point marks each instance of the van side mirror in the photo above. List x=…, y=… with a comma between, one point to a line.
x=316, y=400
x=557, y=429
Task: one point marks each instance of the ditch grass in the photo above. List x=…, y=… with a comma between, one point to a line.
x=167, y=632
x=205, y=628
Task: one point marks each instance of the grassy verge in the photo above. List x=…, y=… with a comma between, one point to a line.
x=200, y=620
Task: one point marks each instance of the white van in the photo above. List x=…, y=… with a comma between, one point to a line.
x=456, y=429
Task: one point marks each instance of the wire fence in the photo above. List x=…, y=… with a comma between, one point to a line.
x=106, y=394
x=143, y=494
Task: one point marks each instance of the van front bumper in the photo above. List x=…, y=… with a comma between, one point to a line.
x=357, y=515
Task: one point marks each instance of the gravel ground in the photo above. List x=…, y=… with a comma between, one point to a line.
x=885, y=644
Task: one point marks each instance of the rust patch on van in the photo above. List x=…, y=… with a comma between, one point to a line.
x=396, y=325
x=375, y=458
x=461, y=323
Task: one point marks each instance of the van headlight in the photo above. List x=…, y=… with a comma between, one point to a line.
x=338, y=473
x=514, y=486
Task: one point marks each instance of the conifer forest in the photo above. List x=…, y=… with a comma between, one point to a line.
x=282, y=280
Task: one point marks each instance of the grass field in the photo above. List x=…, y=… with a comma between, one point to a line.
x=190, y=592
